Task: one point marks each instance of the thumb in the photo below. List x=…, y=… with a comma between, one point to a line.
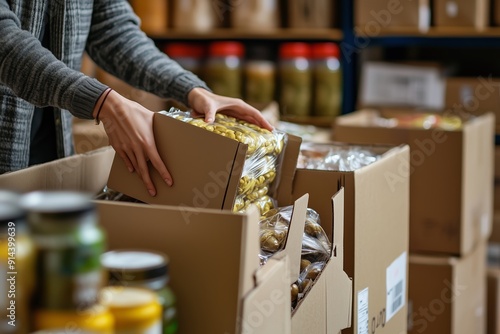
x=209, y=114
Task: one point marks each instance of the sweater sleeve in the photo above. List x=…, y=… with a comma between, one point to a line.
x=117, y=44
x=34, y=74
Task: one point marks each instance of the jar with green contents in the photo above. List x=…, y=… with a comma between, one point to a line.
x=259, y=85
x=327, y=99
x=68, y=243
x=143, y=269
x=223, y=68
x=295, y=79
x=188, y=55
x=17, y=260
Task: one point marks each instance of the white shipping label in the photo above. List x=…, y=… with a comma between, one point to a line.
x=396, y=286
x=363, y=311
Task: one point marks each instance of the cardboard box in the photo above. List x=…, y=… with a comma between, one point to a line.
x=461, y=13
x=375, y=234
x=451, y=193
x=497, y=162
x=217, y=160
x=448, y=294
x=493, y=322
x=213, y=255
x=476, y=96
x=88, y=136
x=401, y=85
x=375, y=15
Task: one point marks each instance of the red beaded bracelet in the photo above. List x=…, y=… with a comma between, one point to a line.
x=106, y=93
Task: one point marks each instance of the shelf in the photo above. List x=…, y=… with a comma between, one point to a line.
x=440, y=32
x=238, y=34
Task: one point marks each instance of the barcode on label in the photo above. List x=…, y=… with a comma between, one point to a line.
x=398, y=297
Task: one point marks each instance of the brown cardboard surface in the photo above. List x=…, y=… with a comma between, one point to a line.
x=451, y=179
x=85, y=172
x=475, y=95
x=311, y=13
x=369, y=14
x=496, y=12
x=493, y=318
x=205, y=167
x=497, y=161
x=88, y=136
x=461, y=13
x=213, y=254
x=375, y=224
x=448, y=294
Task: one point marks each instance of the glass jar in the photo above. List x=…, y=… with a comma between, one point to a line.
x=327, y=100
x=259, y=82
x=143, y=269
x=188, y=55
x=17, y=261
x=68, y=244
x=96, y=319
x=153, y=15
x=295, y=78
x=256, y=15
x=223, y=69
x=196, y=15
x=135, y=310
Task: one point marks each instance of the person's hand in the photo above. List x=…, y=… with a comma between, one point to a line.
x=208, y=104
x=129, y=127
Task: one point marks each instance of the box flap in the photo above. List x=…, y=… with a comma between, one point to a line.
x=311, y=316
x=293, y=247
x=85, y=172
x=272, y=296
x=202, y=164
x=205, y=256
x=250, y=248
x=289, y=165
x=339, y=285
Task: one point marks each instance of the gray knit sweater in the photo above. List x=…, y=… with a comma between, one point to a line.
x=31, y=75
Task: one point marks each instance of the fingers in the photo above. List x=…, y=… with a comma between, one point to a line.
x=160, y=167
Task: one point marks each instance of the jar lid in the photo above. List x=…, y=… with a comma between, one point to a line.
x=135, y=265
x=223, y=49
x=295, y=50
x=182, y=50
x=10, y=212
x=56, y=202
x=325, y=50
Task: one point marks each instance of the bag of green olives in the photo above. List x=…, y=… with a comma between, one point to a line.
x=260, y=172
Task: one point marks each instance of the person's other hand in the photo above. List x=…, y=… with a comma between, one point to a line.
x=208, y=104
x=129, y=127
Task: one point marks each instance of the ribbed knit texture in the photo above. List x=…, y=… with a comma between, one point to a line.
x=31, y=75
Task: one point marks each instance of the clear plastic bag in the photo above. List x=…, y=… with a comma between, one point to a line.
x=107, y=194
x=315, y=245
x=335, y=157
x=260, y=171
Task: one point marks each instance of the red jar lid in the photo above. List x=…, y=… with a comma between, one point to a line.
x=224, y=49
x=325, y=50
x=295, y=50
x=184, y=50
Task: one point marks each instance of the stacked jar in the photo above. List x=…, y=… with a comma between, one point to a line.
x=327, y=96
x=223, y=68
x=295, y=79
x=188, y=55
x=260, y=78
x=143, y=272
x=68, y=243
x=17, y=261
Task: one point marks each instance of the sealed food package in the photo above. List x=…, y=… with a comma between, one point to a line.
x=315, y=245
x=260, y=172
x=335, y=157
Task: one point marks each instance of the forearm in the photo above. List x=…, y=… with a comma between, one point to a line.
x=118, y=45
x=37, y=76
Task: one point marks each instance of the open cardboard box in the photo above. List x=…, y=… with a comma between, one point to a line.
x=376, y=227
x=215, y=167
x=213, y=255
x=451, y=193
x=448, y=294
